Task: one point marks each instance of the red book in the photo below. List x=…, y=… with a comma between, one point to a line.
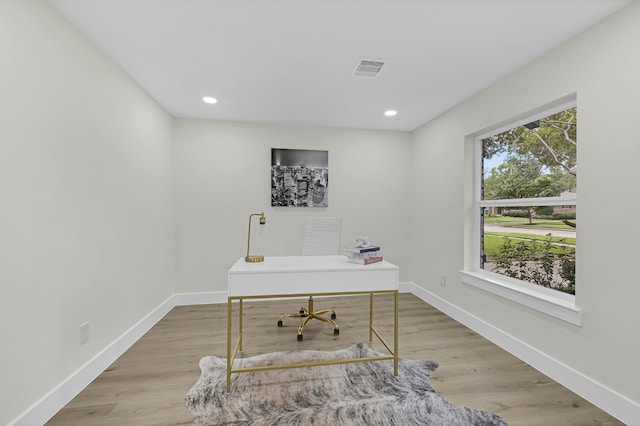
x=365, y=261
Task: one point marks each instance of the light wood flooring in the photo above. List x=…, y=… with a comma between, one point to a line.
x=148, y=383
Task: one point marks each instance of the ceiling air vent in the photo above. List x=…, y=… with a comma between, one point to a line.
x=368, y=67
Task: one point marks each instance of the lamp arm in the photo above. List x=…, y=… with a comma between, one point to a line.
x=249, y=233
x=262, y=221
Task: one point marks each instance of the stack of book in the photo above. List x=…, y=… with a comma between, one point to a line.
x=363, y=255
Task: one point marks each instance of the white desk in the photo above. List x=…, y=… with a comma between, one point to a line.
x=303, y=276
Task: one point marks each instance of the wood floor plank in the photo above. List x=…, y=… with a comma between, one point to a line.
x=148, y=383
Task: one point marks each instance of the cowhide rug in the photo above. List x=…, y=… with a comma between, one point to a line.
x=344, y=394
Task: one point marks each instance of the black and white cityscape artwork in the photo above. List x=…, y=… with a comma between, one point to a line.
x=299, y=178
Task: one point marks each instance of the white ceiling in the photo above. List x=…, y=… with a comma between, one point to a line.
x=292, y=61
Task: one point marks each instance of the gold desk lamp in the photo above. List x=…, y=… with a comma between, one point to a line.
x=258, y=258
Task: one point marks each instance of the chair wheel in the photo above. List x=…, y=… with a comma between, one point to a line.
x=336, y=331
x=333, y=315
x=299, y=337
x=280, y=323
x=301, y=311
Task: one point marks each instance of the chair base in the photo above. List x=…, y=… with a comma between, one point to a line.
x=308, y=314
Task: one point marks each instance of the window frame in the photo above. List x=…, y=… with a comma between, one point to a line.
x=551, y=302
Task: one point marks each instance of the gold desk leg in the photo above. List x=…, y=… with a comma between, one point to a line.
x=395, y=334
x=240, y=326
x=229, y=345
x=371, y=317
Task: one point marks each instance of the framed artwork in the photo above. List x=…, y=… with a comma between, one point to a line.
x=299, y=178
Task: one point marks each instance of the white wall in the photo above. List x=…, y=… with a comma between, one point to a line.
x=602, y=66
x=85, y=207
x=223, y=175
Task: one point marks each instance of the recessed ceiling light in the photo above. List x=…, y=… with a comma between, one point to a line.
x=390, y=113
x=209, y=100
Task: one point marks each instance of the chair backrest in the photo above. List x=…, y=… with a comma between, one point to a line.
x=321, y=236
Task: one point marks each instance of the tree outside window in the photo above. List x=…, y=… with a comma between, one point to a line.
x=528, y=201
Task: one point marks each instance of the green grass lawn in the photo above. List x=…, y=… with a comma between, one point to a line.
x=494, y=240
x=564, y=240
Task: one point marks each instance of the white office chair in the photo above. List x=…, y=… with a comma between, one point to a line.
x=321, y=238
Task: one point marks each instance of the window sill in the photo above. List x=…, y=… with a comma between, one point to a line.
x=560, y=305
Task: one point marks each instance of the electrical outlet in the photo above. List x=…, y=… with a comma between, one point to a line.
x=84, y=333
x=443, y=280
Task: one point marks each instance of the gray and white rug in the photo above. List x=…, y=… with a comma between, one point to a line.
x=344, y=394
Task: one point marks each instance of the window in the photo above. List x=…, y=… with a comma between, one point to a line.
x=525, y=210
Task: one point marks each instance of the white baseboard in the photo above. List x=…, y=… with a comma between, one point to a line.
x=606, y=399
x=208, y=298
x=42, y=411
x=615, y=404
